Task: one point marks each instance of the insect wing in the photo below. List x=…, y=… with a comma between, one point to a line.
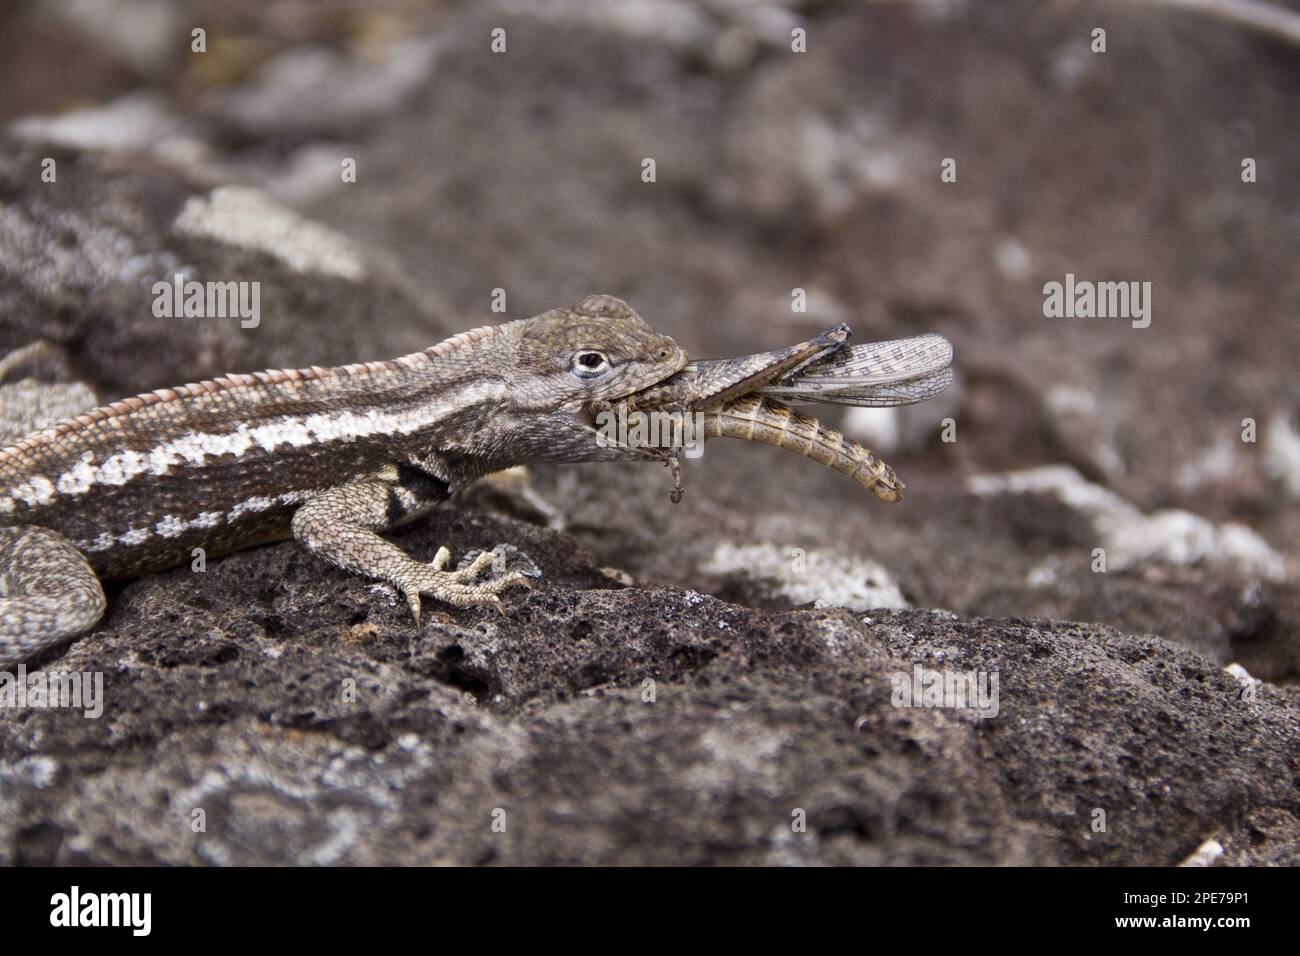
x=886, y=361
x=851, y=391
x=878, y=374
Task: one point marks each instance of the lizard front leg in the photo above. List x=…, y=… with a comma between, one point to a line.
x=48, y=592
x=341, y=525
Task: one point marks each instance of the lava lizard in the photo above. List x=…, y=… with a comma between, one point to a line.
x=329, y=456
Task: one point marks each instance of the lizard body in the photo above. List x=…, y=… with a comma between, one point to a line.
x=330, y=456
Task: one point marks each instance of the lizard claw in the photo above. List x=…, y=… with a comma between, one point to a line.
x=473, y=563
x=467, y=585
x=413, y=601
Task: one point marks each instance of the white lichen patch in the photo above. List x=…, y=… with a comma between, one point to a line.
x=820, y=577
x=1243, y=677
x=1133, y=539
x=1207, y=854
x=138, y=122
x=1013, y=260
x=671, y=22
x=36, y=771
x=1077, y=419
x=1240, y=673
x=1281, y=447
x=1044, y=574
x=741, y=747
x=1218, y=463
x=240, y=216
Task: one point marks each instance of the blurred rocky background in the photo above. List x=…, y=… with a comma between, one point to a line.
x=689, y=678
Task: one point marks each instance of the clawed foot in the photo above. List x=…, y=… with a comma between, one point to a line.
x=476, y=581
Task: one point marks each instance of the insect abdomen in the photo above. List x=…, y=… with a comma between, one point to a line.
x=757, y=419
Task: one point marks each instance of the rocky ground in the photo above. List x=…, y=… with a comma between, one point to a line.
x=713, y=682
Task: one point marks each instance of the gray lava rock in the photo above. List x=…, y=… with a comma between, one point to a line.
x=298, y=713
x=715, y=682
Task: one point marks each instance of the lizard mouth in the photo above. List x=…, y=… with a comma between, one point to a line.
x=702, y=384
x=713, y=381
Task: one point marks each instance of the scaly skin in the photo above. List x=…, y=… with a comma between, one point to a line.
x=330, y=456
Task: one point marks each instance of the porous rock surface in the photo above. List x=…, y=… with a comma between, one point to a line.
x=713, y=682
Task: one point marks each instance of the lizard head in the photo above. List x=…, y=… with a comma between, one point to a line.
x=597, y=350
x=563, y=364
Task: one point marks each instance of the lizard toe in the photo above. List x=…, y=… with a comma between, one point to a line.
x=413, y=602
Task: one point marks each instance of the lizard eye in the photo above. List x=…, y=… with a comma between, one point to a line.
x=589, y=363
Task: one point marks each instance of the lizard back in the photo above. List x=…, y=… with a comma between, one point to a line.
x=222, y=464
